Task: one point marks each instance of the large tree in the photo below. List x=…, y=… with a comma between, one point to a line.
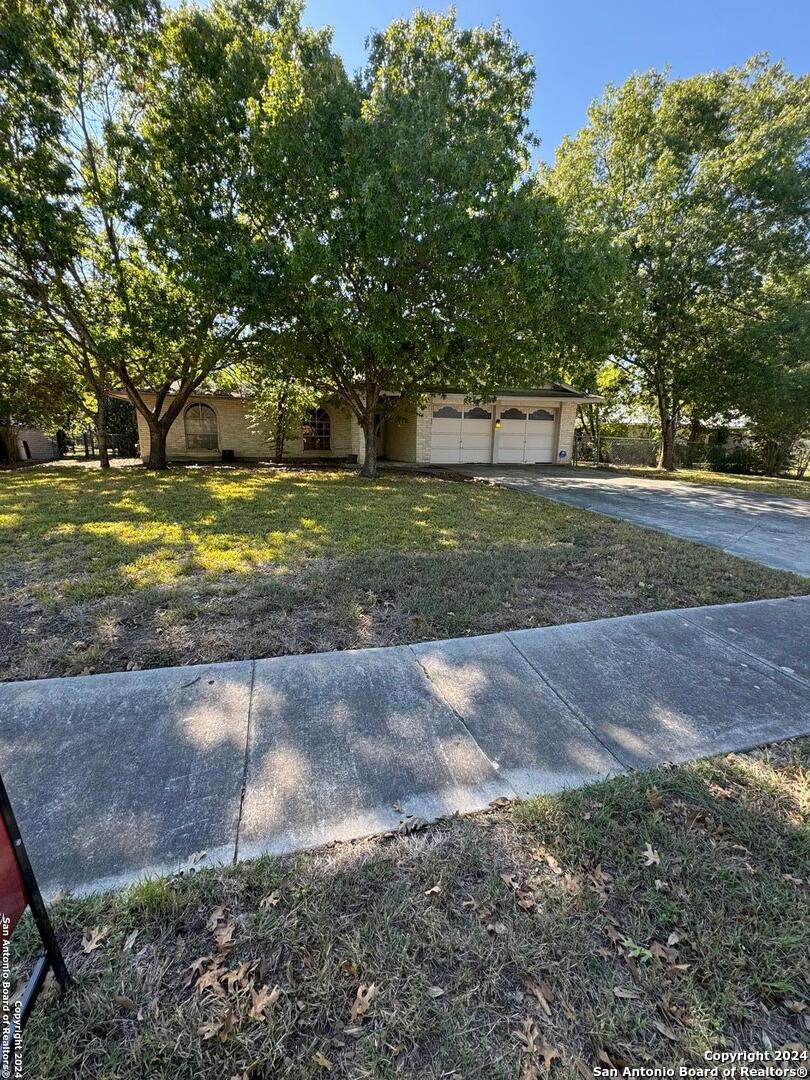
x=74, y=236
x=703, y=185
x=415, y=252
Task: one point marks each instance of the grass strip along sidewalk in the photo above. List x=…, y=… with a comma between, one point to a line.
x=640, y=921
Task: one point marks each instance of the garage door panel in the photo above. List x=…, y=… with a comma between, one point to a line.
x=526, y=434
x=460, y=434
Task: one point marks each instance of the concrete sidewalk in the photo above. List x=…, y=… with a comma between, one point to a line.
x=116, y=775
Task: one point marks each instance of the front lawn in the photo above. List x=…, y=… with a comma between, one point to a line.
x=103, y=572
x=639, y=922
x=766, y=485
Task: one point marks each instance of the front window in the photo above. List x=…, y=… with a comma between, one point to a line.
x=317, y=431
x=201, y=428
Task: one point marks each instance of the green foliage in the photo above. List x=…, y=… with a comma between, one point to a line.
x=703, y=184
x=418, y=254
x=279, y=407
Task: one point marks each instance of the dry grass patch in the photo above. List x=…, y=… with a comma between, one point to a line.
x=103, y=572
x=766, y=485
x=641, y=921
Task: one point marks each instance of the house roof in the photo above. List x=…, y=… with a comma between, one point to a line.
x=552, y=390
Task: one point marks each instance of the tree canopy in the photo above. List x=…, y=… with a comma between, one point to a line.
x=703, y=184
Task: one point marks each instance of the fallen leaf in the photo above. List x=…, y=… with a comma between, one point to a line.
x=435, y=991
x=625, y=992
x=223, y=936
x=650, y=855
x=238, y=974
x=411, y=825
x=796, y=1006
x=92, y=939
x=350, y=968
x=215, y=918
x=542, y=992
x=218, y=1029
x=124, y=1002
x=271, y=900
x=541, y=855
x=548, y=1053
x=434, y=890
x=321, y=1061
x=654, y=798
x=263, y=999
x=363, y=1000
x=665, y=1030
x=210, y=981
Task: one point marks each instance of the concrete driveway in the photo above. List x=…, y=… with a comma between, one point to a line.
x=769, y=529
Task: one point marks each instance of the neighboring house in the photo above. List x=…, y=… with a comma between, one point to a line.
x=32, y=445
x=529, y=426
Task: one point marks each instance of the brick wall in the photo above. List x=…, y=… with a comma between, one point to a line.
x=565, y=438
x=235, y=433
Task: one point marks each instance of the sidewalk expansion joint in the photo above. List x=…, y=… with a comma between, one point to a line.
x=463, y=723
x=247, y=761
x=747, y=652
x=575, y=712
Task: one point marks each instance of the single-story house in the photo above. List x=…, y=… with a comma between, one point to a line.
x=31, y=445
x=521, y=425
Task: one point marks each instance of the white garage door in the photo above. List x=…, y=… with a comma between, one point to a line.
x=526, y=433
x=461, y=433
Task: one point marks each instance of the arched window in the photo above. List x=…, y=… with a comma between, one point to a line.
x=201, y=428
x=317, y=430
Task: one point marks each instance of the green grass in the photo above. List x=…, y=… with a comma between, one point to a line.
x=767, y=485
x=103, y=572
x=657, y=916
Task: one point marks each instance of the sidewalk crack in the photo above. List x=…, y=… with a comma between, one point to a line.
x=248, y=731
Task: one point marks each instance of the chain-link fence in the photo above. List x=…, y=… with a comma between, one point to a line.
x=613, y=450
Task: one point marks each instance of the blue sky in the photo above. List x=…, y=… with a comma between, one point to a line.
x=580, y=45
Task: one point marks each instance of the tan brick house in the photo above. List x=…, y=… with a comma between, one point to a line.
x=531, y=426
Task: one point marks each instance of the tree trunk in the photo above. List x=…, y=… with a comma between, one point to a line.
x=280, y=420
x=8, y=436
x=369, y=467
x=157, y=447
x=669, y=426
x=101, y=431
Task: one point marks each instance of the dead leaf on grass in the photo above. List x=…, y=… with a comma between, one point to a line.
x=210, y=980
x=665, y=1030
x=321, y=1061
x=350, y=968
x=92, y=939
x=795, y=1006
x=434, y=890
x=411, y=825
x=650, y=855
x=366, y=993
x=215, y=918
x=223, y=936
x=541, y=855
x=435, y=991
x=126, y=1003
x=625, y=992
x=271, y=900
x=218, y=1029
x=542, y=992
x=263, y=999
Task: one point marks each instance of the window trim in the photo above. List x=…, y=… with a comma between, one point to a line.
x=317, y=417
x=212, y=435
